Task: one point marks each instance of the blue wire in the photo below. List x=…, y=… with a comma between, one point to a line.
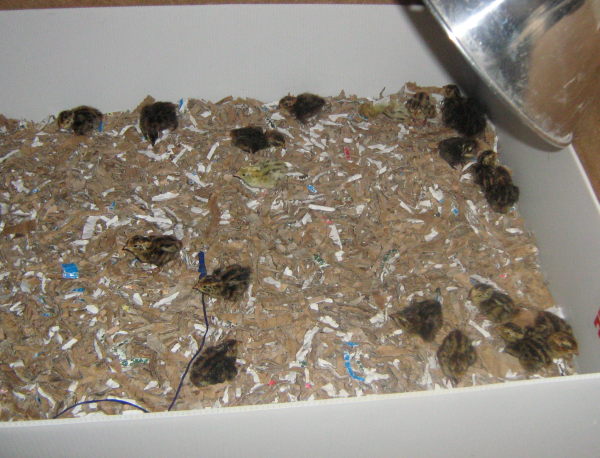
x=193, y=357
x=94, y=401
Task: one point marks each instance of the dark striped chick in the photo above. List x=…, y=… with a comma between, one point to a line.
x=252, y=139
x=455, y=355
x=497, y=306
x=500, y=192
x=485, y=167
x=82, y=120
x=153, y=249
x=215, y=365
x=229, y=283
x=302, y=107
x=421, y=107
x=157, y=117
x=462, y=114
x=457, y=150
x=423, y=318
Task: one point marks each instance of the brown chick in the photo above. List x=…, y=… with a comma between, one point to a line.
x=302, y=107
x=157, y=117
x=455, y=355
x=497, y=306
x=252, y=139
x=423, y=318
x=457, y=150
x=153, y=249
x=510, y=332
x=464, y=115
x=82, y=120
x=215, y=365
x=229, y=283
x=500, y=191
x=421, y=107
x=485, y=168
x=558, y=333
x=546, y=323
x=535, y=346
x=532, y=351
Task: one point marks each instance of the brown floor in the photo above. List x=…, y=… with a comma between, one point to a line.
x=586, y=136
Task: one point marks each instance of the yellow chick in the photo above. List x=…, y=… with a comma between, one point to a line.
x=265, y=174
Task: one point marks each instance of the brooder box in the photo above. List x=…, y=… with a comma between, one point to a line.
x=118, y=55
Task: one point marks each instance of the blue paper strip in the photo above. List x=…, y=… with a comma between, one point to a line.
x=311, y=188
x=70, y=271
x=349, y=368
x=201, y=265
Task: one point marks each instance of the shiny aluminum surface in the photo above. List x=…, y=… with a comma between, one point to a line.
x=542, y=56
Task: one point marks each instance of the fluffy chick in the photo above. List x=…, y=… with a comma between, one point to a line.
x=153, y=249
x=252, y=139
x=229, y=283
x=421, y=106
x=82, y=120
x=265, y=174
x=157, y=117
x=462, y=114
x=497, y=306
x=215, y=365
x=457, y=150
x=500, y=191
x=532, y=351
x=303, y=106
x=423, y=318
x=558, y=333
x=485, y=168
x=455, y=355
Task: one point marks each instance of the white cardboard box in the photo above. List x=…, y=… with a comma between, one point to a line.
x=112, y=57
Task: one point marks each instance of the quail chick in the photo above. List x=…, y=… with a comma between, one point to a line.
x=457, y=150
x=421, y=106
x=462, y=114
x=82, y=120
x=265, y=174
x=497, y=306
x=500, y=191
x=389, y=107
x=303, y=106
x=229, y=283
x=252, y=139
x=532, y=351
x=423, y=318
x=510, y=332
x=455, y=355
x=215, y=365
x=157, y=117
x=546, y=323
x=371, y=110
x=153, y=249
x=558, y=333
x=485, y=168
x=396, y=111
x=535, y=346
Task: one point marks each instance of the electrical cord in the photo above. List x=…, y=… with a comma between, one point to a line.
x=193, y=357
x=202, y=270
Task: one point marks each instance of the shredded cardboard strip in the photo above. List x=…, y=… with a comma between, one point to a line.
x=380, y=219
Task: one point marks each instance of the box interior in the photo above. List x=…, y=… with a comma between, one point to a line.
x=112, y=58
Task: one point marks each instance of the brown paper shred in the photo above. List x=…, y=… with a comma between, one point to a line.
x=368, y=219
